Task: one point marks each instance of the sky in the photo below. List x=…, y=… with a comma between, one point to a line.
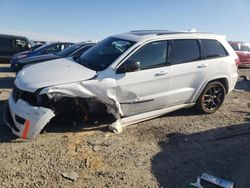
x=79, y=20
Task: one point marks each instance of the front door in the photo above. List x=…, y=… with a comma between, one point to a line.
x=146, y=89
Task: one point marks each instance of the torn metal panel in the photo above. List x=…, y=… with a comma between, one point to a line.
x=103, y=90
x=28, y=120
x=71, y=90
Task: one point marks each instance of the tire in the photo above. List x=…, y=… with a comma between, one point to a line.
x=211, y=98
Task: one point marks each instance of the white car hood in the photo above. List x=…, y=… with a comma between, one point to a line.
x=55, y=72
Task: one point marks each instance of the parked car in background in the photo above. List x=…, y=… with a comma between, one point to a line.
x=73, y=51
x=51, y=48
x=243, y=51
x=36, y=45
x=134, y=76
x=39, y=42
x=11, y=44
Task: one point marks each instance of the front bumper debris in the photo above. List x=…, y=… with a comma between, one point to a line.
x=24, y=120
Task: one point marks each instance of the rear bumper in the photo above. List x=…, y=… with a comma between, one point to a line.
x=24, y=120
x=244, y=64
x=234, y=79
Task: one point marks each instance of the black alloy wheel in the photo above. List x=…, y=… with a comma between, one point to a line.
x=211, y=98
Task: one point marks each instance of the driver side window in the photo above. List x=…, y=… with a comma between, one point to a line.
x=151, y=55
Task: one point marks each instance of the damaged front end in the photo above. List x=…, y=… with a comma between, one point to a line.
x=28, y=113
x=25, y=120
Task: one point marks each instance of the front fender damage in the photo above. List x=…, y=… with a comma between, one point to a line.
x=87, y=98
x=29, y=118
x=91, y=91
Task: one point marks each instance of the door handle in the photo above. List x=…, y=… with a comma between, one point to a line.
x=161, y=73
x=202, y=66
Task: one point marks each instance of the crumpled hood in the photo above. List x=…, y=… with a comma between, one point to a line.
x=54, y=72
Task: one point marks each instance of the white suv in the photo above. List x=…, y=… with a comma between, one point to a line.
x=135, y=76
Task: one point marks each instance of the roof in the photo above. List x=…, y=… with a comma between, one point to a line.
x=140, y=35
x=12, y=36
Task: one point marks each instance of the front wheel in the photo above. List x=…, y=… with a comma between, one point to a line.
x=211, y=98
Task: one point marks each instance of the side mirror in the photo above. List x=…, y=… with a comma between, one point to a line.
x=28, y=46
x=129, y=66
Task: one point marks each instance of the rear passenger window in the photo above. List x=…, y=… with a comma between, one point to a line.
x=151, y=55
x=213, y=48
x=185, y=51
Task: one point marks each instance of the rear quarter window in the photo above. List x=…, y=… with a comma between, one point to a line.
x=213, y=48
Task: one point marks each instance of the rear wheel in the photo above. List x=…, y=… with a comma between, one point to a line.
x=211, y=98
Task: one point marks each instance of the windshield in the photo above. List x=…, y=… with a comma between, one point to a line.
x=41, y=47
x=104, y=53
x=245, y=48
x=68, y=51
x=36, y=46
x=31, y=42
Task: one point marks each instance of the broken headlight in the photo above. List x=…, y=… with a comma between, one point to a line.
x=57, y=95
x=41, y=99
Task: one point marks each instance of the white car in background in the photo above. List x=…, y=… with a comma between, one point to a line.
x=135, y=76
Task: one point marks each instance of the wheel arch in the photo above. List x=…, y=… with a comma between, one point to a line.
x=223, y=80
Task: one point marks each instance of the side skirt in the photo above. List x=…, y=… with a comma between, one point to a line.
x=119, y=124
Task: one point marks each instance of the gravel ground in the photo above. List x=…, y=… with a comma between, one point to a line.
x=170, y=151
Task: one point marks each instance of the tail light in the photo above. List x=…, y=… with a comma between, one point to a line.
x=237, y=61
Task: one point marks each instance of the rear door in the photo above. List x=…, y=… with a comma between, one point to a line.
x=188, y=70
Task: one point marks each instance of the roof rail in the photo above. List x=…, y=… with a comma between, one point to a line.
x=164, y=32
x=173, y=32
x=182, y=32
x=148, y=30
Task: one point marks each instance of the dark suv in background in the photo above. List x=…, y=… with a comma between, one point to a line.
x=10, y=45
x=73, y=51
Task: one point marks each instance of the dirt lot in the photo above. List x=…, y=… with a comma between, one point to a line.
x=170, y=151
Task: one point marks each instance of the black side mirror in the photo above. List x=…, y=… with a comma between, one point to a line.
x=28, y=47
x=129, y=66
